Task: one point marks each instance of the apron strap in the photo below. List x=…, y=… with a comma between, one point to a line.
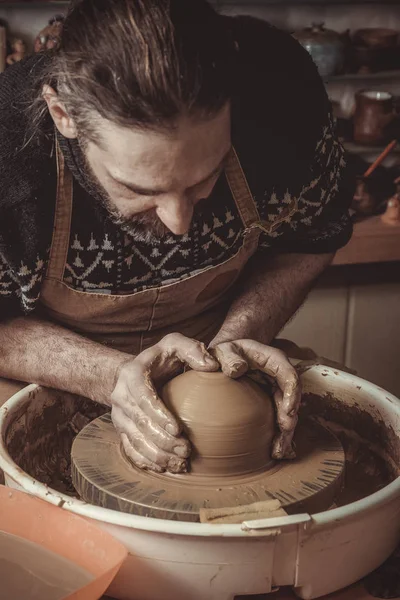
x=245, y=202
x=241, y=192
x=62, y=219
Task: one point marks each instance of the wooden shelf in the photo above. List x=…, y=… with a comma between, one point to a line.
x=360, y=149
x=367, y=77
x=373, y=241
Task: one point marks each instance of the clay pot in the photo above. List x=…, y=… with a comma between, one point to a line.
x=326, y=47
x=374, y=50
x=364, y=203
x=374, y=112
x=376, y=37
x=49, y=37
x=230, y=423
x=392, y=214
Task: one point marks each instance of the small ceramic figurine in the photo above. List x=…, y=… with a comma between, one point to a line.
x=364, y=203
x=49, y=37
x=392, y=214
x=18, y=52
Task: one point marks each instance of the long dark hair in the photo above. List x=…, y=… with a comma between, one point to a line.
x=141, y=62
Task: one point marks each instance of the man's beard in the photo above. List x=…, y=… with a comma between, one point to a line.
x=144, y=227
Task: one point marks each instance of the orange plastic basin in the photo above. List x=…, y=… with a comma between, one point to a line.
x=65, y=534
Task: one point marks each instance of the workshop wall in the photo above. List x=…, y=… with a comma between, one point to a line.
x=26, y=21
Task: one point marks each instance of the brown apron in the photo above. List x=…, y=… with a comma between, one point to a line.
x=195, y=306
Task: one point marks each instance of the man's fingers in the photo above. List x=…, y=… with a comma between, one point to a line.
x=287, y=419
x=150, y=458
x=161, y=438
x=274, y=363
x=282, y=446
x=232, y=363
x=139, y=391
x=147, y=449
x=140, y=461
x=188, y=351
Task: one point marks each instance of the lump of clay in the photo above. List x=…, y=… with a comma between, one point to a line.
x=230, y=423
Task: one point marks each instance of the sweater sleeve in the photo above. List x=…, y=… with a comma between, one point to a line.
x=321, y=222
x=9, y=291
x=27, y=191
x=288, y=144
x=19, y=288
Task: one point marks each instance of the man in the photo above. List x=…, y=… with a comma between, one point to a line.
x=170, y=181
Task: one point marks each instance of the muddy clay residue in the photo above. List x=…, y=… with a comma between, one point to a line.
x=371, y=447
x=40, y=440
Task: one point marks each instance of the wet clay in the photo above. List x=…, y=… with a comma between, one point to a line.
x=40, y=437
x=230, y=423
x=372, y=448
x=104, y=476
x=32, y=572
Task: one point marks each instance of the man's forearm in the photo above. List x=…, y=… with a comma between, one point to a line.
x=40, y=352
x=269, y=295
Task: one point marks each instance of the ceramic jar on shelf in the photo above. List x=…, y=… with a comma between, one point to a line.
x=326, y=47
x=374, y=49
x=49, y=37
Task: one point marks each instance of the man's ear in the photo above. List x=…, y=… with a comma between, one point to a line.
x=64, y=123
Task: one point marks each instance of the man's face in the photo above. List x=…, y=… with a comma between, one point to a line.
x=151, y=181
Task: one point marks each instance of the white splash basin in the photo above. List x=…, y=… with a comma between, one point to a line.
x=315, y=554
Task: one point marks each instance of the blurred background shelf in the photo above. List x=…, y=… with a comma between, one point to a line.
x=367, y=77
x=368, y=150
x=373, y=242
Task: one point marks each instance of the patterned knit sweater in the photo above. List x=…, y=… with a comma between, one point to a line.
x=282, y=131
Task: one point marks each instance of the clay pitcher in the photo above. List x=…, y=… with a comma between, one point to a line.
x=373, y=113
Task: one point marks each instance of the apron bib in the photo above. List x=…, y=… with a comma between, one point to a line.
x=195, y=306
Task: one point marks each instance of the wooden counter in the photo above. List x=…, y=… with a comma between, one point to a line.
x=373, y=241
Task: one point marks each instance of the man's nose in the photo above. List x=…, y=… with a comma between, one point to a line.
x=176, y=213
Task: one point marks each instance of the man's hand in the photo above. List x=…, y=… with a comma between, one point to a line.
x=237, y=357
x=150, y=434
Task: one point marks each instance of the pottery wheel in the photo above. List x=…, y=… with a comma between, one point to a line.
x=103, y=476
